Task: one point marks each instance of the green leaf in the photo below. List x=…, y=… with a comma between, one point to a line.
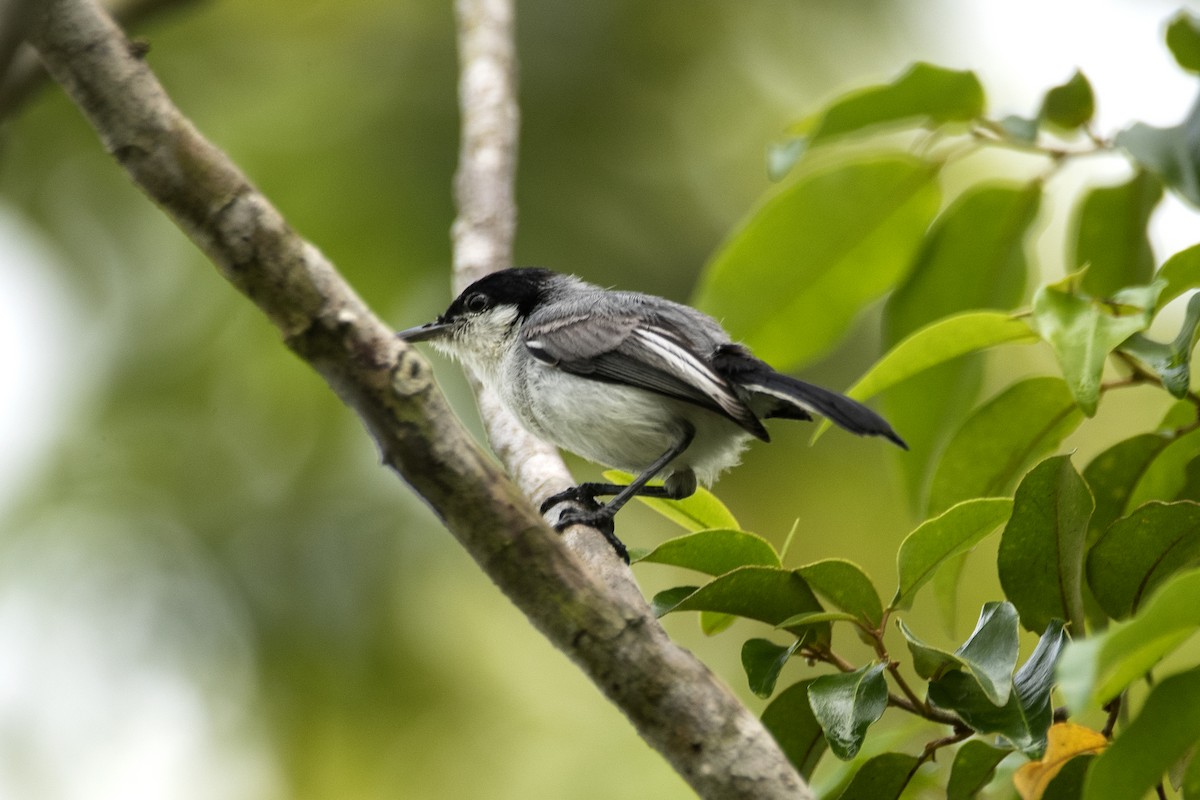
x=1170, y=361
x=844, y=584
x=925, y=93
x=1166, y=474
x=714, y=552
x=883, y=777
x=762, y=660
x=712, y=622
x=701, y=511
x=1042, y=548
x=936, y=344
x=813, y=617
x=1097, y=669
x=846, y=704
x=955, y=531
x=986, y=227
x=1173, y=154
x=1181, y=273
x=989, y=452
x=665, y=601
x=1138, y=552
x=790, y=720
x=1070, y=105
x=1183, y=39
x=1083, y=331
x=1020, y=129
x=1110, y=235
x=1026, y=717
x=1166, y=728
x=1113, y=474
x=766, y=594
x=1068, y=783
x=989, y=655
x=973, y=769
x=819, y=250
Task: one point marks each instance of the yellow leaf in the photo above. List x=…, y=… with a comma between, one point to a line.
x=1064, y=741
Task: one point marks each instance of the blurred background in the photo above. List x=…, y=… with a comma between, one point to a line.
x=209, y=588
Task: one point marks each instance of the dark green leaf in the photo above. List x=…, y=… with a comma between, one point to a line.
x=714, y=552
x=762, y=660
x=1170, y=361
x=974, y=766
x=846, y=704
x=1173, y=154
x=989, y=655
x=766, y=594
x=1163, y=731
x=790, y=720
x=881, y=778
x=1140, y=551
x=955, y=531
x=1068, y=783
x=1110, y=235
x=812, y=617
x=1042, y=547
x=1097, y=669
x=1181, y=273
x=844, y=584
x=1083, y=330
x=989, y=452
x=1113, y=474
x=1183, y=39
x=665, y=601
x=987, y=228
x=1026, y=717
x=924, y=94
x=1070, y=105
x=701, y=511
x=819, y=249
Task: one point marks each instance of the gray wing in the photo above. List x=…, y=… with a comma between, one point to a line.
x=657, y=350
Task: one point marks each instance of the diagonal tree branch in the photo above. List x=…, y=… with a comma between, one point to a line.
x=674, y=701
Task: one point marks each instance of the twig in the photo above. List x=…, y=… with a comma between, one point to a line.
x=1113, y=707
x=674, y=701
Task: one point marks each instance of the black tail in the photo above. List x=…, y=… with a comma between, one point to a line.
x=785, y=396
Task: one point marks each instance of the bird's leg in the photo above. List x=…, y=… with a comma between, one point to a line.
x=600, y=516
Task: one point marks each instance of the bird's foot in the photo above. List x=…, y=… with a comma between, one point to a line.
x=582, y=494
x=599, y=518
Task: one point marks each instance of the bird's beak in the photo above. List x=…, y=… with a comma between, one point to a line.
x=430, y=330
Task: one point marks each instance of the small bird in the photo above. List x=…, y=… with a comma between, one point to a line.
x=628, y=380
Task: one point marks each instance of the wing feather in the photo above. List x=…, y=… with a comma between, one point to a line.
x=651, y=354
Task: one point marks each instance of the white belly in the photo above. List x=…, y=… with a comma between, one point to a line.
x=618, y=425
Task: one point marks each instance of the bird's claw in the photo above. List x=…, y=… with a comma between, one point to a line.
x=597, y=517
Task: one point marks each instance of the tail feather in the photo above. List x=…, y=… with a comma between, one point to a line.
x=778, y=395
x=839, y=409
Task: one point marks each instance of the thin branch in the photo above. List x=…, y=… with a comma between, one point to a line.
x=672, y=699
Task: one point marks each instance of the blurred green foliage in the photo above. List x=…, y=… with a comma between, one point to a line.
x=208, y=504
x=210, y=547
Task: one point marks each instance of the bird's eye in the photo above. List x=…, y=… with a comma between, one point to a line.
x=477, y=302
